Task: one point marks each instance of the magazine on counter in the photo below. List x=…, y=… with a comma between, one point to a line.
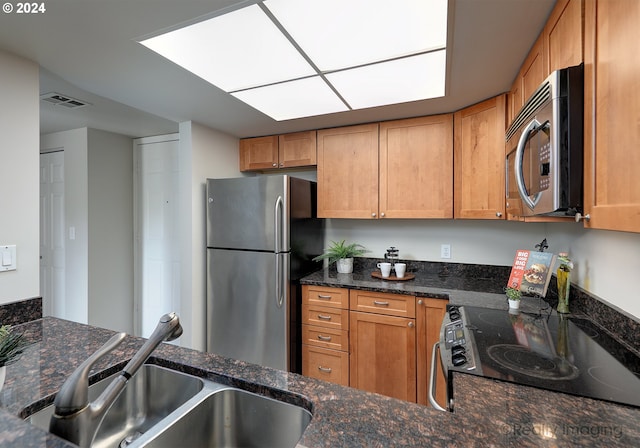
x=531, y=272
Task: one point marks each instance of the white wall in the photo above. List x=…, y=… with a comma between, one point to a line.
x=19, y=188
x=204, y=153
x=99, y=206
x=110, y=243
x=606, y=262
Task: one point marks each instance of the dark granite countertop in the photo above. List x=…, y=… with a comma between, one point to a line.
x=473, y=285
x=488, y=413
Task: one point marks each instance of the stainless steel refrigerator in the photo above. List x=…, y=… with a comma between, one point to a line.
x=262, y=233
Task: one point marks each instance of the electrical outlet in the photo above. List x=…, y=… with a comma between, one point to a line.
x=445, y=251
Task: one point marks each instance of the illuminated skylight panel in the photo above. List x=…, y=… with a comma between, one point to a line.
x=338, y=34
x=295, y=99
x=402, y=80
x=238, y=50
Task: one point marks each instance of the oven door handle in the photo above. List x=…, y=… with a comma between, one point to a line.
x=432, y=378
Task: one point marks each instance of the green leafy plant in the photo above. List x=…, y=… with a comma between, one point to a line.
x=340, y=250
x=513, y=293
x=11, y=345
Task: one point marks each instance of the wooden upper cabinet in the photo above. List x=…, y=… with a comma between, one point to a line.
x=479, y=160
x=259, y=153
x=612, y=111
x=348, y=172
x=416, y=168
x=297, y=149
x=534, y=69
x=514, y=100
x=563, y=35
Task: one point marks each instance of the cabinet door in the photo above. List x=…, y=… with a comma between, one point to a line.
x=325, y=364
x=479, y=160
x=416, y=168
x=612, y=111
x=383, y=355
x=534, y=69
x=297, y=149
x=348, y=172
x=429, y=316
x=563, y=35
x=259, y=153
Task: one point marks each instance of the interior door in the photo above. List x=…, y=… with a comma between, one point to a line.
x=158, y=255
x=52, y=233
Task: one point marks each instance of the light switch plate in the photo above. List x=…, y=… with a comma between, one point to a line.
x=7, y=258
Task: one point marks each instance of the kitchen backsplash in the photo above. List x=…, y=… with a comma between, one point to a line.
x=21, y=311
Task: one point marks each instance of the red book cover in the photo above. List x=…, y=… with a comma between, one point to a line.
x=531, y=272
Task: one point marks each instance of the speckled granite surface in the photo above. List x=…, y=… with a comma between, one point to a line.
x=488, y=413
x=21, y=311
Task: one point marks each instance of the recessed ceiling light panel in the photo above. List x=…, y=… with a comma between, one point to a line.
x=337, y=34
x=238, y=50
x=295, y=99
x=410, y=79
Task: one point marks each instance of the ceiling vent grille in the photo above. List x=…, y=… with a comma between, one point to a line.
x=59, y=99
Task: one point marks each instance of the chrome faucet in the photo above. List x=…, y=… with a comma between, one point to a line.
x=77, y=420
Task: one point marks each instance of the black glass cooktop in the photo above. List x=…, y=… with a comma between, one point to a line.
x=554, y=352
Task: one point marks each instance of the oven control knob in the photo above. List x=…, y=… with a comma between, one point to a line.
x=458, y=360
x=457, y=350
x=454, y=315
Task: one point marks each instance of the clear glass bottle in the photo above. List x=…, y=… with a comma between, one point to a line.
x=563, y=278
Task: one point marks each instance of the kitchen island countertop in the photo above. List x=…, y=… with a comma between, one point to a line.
x=487, y=413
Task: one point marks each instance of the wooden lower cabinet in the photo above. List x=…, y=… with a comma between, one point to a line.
x=383, y=354
x=374, y=341
x=429, y=315
x=325, y=364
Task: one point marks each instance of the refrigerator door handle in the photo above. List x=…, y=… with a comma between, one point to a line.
x=278, y=237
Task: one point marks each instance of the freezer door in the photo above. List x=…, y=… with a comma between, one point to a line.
x=248, y=213
x=248, y=306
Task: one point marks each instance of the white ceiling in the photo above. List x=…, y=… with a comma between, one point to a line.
x=89, y=49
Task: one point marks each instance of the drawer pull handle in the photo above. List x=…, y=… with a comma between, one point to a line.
x=320, y=296
x=324, y=338
x=324, y=369
x=379, y=303
x=323, y=317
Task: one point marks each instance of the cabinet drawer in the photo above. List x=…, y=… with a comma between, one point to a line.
x=325, y=337
x=325, y=364
x=324, y=296
x=322, y=316
x=382, y=303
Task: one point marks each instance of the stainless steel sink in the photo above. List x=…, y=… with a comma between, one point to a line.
x=163, y=408
x=234, y=418
x=151, y=395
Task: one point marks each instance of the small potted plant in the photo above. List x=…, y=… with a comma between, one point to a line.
x=11, y=347
x=514, y=295
x=342, y=254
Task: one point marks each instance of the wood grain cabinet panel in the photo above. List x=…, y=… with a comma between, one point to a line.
x=383, y=355
x=612, y=111
x=348, y=172
x=273, y=152
x=325, y=364
x=479, y=160
x=382, y=303
x=325, y=296
x=563, y=35
x=429, y=315
x=416, y=168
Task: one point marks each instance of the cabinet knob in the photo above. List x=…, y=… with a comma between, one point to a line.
x=579, y=216
x=274, y=164
x=373, y=215
x=498, y=214
x=281, y=164
x=410, y=324
x=420, y=302
x=382, y=215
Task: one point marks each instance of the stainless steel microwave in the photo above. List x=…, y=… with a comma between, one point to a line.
x=544, y=166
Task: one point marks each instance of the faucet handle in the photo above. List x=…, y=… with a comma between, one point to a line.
x=74, y=394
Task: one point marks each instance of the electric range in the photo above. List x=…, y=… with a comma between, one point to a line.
x=545, y=350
